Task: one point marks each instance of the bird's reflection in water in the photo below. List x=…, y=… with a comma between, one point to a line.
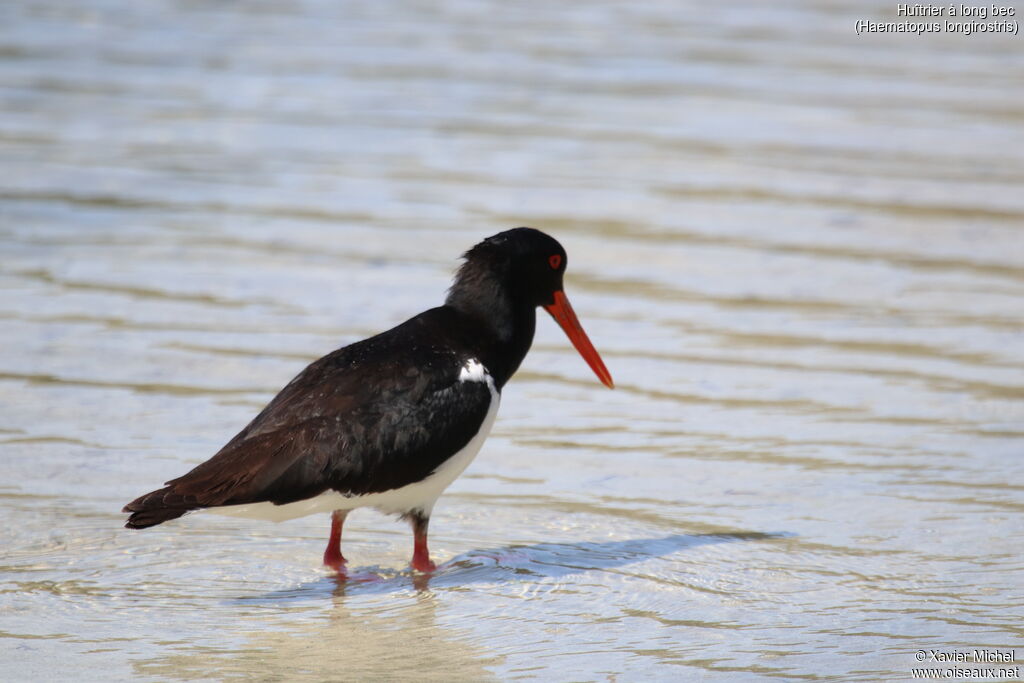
x=343, y=578
x=323, y=631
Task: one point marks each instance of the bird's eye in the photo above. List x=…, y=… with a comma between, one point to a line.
x=555, y=260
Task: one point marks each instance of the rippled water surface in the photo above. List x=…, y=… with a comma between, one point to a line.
x=799, y=251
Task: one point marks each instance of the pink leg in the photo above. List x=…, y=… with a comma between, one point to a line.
x=333, y=556
x=420, y=554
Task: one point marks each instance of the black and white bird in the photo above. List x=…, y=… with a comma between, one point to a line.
x=389, y=422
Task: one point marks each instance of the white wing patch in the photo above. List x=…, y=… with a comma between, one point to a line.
x=474, y=371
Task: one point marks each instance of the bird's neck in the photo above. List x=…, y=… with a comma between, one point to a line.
x=503, y=326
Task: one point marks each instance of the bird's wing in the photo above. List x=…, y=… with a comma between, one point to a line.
x=367, y=418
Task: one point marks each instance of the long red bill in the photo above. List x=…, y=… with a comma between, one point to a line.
x=563, y=314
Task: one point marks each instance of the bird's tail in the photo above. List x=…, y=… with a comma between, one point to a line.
x=157, y=507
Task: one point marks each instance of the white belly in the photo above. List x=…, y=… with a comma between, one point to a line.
x=420, y=495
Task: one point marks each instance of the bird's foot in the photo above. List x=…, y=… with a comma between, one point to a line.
x=423, y=564
x=334, y=560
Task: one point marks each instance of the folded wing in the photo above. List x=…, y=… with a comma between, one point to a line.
x=367, y=418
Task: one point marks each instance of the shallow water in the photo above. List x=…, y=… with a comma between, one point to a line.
x=800, y=252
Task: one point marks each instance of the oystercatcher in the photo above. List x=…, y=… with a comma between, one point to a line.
x=389, y=422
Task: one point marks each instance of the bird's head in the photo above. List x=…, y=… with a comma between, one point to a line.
x=521, y=269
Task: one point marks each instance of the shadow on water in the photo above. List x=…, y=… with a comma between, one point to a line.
x=517, y=563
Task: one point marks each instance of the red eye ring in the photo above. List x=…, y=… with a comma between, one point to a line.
x=555, y=260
